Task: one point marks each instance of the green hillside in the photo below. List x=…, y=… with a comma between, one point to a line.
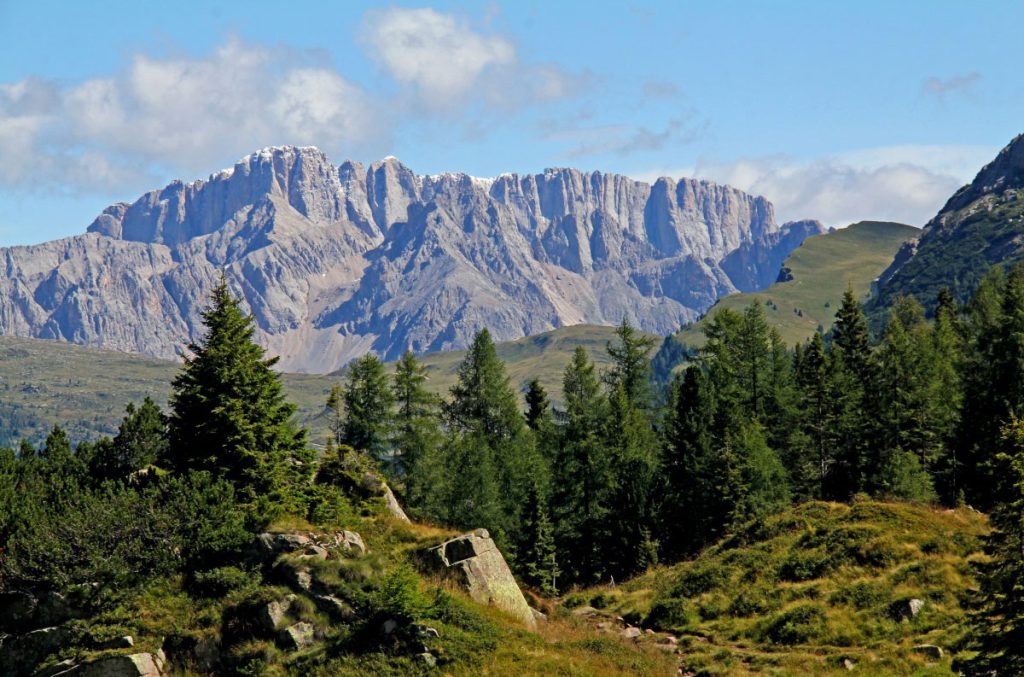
x=821, y=269
x=86, y=390
x=803, y=591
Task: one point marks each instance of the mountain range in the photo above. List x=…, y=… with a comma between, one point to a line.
x=336, y=261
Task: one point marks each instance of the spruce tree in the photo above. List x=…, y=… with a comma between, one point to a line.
x=538, y=551
x=698, y=500
x=631, y=366
x=418, y=435
x=762, y=484
x=852, y=382
x=635, y=466
x=484, y=408
x=582, y=475
x=368, y=402
x=483, y=401
x=228, y=412
x=538, y=408
x=140, y=441
x=998, y=620
x=57, y=448
x=984, y=409
x=814, y=457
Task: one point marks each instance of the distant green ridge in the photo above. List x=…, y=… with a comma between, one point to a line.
x=820, y=270
x=86, y=389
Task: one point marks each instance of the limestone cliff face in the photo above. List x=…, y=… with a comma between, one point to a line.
x=334, y=261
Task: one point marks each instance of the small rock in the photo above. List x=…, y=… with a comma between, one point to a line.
x=669, y=639
x=125, y=642
x=299, y=576
x=929, y=651
x=631, y=632
x=584, y=611
x=428, y=659
x=848, y=664
x=270, y=546
x=273, y=612
x=350, y=542
x=424, y=632
x=313, y=551
x=648, y=631
x=904, y=610
x=298, y=636
x=389, y=626
x=604, y=626
x=337, y=608
x=539, y=615
x=393, y=506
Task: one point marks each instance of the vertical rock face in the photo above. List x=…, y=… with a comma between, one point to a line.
x=337, y=261
x=475, y=562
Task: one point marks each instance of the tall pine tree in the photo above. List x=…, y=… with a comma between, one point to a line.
x=228, y=411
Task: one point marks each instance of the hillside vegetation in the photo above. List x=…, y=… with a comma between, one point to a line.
x=821, y=270
x=805, y=590
x=85, y=390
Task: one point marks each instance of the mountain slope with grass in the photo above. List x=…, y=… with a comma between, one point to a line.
x=814, y=277
x=810, y=589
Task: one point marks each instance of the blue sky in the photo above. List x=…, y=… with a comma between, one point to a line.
x=836, y=111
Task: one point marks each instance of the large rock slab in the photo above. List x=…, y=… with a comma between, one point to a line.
x=474, y=561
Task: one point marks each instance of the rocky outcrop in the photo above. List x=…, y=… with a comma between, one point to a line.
x=475, y=563
x=336, y=261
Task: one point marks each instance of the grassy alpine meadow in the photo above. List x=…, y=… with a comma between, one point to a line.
x=821, y=269
x=813, y=590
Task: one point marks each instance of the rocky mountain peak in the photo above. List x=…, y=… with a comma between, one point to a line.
x=1005, y=172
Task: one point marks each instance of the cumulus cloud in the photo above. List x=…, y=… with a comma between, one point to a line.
x=908, y=184
x=181, y=113
x=940, y=88
x=436, y=52
x=446, y=62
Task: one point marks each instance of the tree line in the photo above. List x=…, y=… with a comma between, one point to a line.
x=624, y=472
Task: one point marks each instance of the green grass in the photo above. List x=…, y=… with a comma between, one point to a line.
x=799, y=592
x=822, y=268
x=85, y=390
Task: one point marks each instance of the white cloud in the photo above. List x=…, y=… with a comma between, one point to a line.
x=447, y=63
x=186, y=114
x=437, y=53
x=908, y=184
